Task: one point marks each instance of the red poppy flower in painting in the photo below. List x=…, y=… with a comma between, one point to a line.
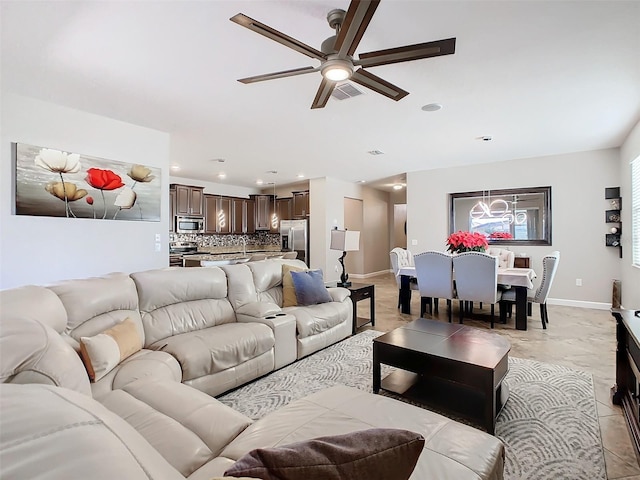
x=103, y=179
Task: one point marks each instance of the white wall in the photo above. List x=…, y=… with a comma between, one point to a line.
x=42, y=250
x=578, y=181
x=630, y=275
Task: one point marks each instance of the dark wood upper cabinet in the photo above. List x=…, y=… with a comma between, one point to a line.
x=264, y=207
x=300, y=204
x=238, y=215
x=210, y=214
x=189, y=200
x=250, y=216
x=284, y=208
x=172, y=211
x=224, y=215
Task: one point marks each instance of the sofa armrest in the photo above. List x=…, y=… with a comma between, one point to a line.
x=258, y=309
x=284, y=330
x=339, y=294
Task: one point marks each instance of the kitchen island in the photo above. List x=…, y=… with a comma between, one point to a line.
x=214, y=260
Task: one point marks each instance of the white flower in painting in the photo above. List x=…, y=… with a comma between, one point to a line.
x=57, y=161
x=125, y=199
x=140, y=173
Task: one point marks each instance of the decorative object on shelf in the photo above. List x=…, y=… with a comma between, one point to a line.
x=345, y=241
x=613, y=216
x=50, y=182
x=460, y=241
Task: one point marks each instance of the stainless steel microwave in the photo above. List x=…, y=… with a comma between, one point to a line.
x=189, y=224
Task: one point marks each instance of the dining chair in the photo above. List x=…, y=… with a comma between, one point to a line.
x=434, y=271
x=476, y=280
x=549, y=268
x=290, y=255
x=506, y=258
x=401, y=257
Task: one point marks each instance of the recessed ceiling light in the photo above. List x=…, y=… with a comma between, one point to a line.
x=397, y=187
x=375, y=152
x=222, y=175
x=259, y=182
x=432, y=107
x=175, y=168
x=300, y=175
x=363, y=181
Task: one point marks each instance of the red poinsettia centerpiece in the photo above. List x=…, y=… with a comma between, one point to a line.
x=500, y=236
x=466, y=242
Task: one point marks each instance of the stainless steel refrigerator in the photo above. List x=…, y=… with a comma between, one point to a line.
x=294, y=236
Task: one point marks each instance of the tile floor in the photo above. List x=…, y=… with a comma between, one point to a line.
x=579, y=338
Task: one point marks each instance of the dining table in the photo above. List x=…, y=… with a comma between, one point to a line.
x=520, y=279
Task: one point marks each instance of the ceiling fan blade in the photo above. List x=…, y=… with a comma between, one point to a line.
x=277, y=36
x=282, y=74
x=375, y=83
x=407, y=53
x=355, y=23
x=324, y=92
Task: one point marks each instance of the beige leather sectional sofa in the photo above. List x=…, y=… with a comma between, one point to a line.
x=204, y=331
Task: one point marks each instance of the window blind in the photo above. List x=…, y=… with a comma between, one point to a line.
x=635, y=211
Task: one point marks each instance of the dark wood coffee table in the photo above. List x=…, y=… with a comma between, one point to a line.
x=454, y=368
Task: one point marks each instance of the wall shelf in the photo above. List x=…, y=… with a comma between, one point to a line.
x=612, y=216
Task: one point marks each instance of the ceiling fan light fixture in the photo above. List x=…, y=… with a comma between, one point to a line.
x=337, y=70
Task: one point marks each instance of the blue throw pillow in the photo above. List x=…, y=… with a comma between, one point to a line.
x=310, y=288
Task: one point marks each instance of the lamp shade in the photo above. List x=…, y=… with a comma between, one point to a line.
x=345, y=240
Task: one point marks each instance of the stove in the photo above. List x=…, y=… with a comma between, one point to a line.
x=177, y=250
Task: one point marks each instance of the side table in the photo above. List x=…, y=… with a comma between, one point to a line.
x=360, y=291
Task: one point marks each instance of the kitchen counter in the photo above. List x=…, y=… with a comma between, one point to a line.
x=205, y=259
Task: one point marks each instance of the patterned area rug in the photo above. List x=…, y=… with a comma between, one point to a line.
x=549, y=425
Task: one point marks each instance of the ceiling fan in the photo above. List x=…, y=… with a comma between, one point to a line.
x=337, y=52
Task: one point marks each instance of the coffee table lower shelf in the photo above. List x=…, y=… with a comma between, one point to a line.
x=444, y=396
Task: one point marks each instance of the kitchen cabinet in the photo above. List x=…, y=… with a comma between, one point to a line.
x=238, y=215
x=250, y=217
x=300, y=204
x=189, y=200
x=172, y=211
x=284, y=206
x=225, y=219
x=264, y=207
x=210, y=213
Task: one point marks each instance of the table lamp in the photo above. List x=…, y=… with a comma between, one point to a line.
x=345, y=241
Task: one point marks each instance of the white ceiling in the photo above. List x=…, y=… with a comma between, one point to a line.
x=540, y=77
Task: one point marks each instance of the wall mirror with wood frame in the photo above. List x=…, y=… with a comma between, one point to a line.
x=513, y=216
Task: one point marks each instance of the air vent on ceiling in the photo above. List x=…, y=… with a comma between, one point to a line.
x=346, y=90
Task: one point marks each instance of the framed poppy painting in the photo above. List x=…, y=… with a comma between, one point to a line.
x=55, y=183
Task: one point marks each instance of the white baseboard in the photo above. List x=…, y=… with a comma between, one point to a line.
x=367, y=275
x=579, y=303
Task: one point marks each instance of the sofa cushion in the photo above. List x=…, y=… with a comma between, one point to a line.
x=34, y=303
x=55, y=433
x=314, y=319
x=452, y=450
x=181, y=300
x=96, y=304
x=31, y=352
x=187, y=426
x=288, y=288
x=213, y=350
x=310, y=288
x=103, y=352
x=372, y=454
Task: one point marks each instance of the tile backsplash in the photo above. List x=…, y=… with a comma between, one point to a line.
x=258, y=239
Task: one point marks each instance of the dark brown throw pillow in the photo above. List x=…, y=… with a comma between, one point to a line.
x=374, y=454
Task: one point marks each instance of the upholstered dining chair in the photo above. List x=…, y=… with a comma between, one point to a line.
x=401, y=258
x=506, y=258
x=476, y=280
x=434, y=271
x=549, y=268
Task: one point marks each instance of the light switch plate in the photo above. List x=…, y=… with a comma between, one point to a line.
x=158, y=237
x=158, y=247
x=414, y=242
